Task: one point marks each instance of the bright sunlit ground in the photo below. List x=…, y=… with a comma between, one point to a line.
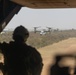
x=62, y=47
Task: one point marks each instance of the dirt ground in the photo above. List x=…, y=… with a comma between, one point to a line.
x=63, y=47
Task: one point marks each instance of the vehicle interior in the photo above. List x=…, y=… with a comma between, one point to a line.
x=8, y=8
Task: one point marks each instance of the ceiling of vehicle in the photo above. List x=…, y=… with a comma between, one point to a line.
x=47, y=3
x=9, y=8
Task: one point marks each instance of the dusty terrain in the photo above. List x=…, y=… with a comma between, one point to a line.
x=63, y=47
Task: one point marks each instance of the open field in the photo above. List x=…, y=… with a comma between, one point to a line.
x=36, y=40
x=63, y=47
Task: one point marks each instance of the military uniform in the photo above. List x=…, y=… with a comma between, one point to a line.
x=21, y=59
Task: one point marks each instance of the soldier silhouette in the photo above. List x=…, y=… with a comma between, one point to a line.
x=20, y=58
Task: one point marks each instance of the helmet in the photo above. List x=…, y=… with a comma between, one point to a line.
x=20, y=31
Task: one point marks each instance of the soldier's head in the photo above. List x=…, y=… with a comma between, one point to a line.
x=20, y=34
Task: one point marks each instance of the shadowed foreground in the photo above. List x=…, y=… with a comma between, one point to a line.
x=48, y=52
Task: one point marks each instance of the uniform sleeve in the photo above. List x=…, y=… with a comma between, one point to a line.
x=36, y=56
x=36, y=62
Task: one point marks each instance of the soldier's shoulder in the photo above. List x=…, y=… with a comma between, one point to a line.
x=33, y=49
x=4, y=43
x=30, y=47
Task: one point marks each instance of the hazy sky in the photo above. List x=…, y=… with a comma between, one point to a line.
x=55, y=18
